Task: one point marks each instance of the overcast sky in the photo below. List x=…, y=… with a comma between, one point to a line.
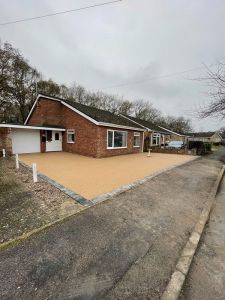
x=118, y=48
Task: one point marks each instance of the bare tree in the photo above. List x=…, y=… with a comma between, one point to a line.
x=177, y=124
x=216, y=82
x=48, y=87
x=126, y=107
x=74, y=92
x=144, y=110
x=17, y=84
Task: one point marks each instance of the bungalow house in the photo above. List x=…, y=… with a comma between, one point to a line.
x=154, y=135
x=216, y=138
x=55, y=124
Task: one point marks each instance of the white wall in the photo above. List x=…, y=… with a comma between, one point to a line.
x=25, y=140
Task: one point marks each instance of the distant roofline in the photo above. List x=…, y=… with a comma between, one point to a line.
x=206, y=134
x=62, y=101
x=30, y=127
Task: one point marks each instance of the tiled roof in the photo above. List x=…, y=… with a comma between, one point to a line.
x=100, y=115
x=148, y=124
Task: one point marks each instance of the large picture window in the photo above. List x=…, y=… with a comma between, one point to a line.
x=116, y=139
x=137, y=139
x=156, y=139
x=70, y=136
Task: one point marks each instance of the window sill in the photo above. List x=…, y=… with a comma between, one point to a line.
x=70, y=142
x=136, y=146
x=112, y=148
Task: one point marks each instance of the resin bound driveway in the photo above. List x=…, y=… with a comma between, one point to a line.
x=91, y=177
x=123, y=248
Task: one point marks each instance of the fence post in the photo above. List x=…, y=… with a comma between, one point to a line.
x=17, y=161
x=3, y=152
x=34, y=167
x=149, y=153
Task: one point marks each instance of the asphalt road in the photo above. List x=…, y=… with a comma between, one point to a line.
x=124, y=248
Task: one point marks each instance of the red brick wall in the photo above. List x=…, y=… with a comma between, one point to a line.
x=90, y=139
x=46, y=112
x=85, y=133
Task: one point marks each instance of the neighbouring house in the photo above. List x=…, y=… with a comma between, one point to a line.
x=216, y=138
x=206, y=137
x=154, y=136
x=55, y=124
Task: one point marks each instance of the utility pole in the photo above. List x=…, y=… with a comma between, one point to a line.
x=36, y=89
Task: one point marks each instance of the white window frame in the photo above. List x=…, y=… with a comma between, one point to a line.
x=139, y=135
x=158, y=139
x=70, y=131
x=113, y=131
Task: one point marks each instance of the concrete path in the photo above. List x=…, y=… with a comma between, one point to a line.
x=206, y=279
x=124, y=248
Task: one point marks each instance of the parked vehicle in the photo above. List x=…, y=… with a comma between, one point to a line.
x=175, y=145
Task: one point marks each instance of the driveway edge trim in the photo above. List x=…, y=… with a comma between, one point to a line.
x=183, y=265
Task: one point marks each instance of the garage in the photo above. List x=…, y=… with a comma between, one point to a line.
x=18, y=139
x=25, y=141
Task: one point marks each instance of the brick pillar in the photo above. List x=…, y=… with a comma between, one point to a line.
x=5, y=140
x=43, y=140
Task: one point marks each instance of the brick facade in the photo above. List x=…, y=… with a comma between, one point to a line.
x=86, y=133
x=47, y=112
x=90, y=139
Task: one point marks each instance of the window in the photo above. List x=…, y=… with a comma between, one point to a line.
x=116, y=139
x=156, y=139
x=110, y=139
x=137, y=139
x=70, y=136
x=56, y=136
x=49, y=135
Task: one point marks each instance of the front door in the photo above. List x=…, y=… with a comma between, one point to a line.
x=53, y=140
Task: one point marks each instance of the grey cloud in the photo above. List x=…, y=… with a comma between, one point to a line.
x=124, y=43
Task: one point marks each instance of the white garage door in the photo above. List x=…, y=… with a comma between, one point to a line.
x=25, y=141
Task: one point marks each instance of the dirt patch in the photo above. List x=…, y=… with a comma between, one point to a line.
x=91, y=177
x=25, y=205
